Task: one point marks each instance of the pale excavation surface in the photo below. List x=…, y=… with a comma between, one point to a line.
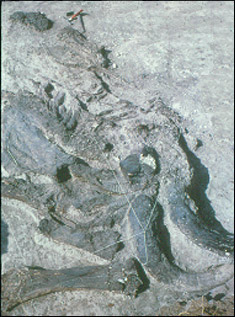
x=105, y=199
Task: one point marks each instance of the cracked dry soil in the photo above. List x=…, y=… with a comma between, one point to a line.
x=104, y=201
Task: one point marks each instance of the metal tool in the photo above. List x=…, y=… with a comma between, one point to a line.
x=75, y=16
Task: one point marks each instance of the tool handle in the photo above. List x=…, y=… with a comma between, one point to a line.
x=76, y=14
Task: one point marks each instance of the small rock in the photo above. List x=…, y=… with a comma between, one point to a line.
x=37, y=19
x=131, y=165
x=149, y=160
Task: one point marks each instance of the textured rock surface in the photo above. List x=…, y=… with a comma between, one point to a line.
x=99, y=191
x=36, y=19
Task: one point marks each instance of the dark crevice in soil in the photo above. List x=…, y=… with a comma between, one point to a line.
x=107, y=62
x=120, y=246
x=103, y=83
x=143, y=277
x=197, y=190
x=82, y=104
x=47, y=224
x=4, y=237
x=35, y=267
x=160, y=231
x=80, y=161
x=63, y=174
x=199, y=144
